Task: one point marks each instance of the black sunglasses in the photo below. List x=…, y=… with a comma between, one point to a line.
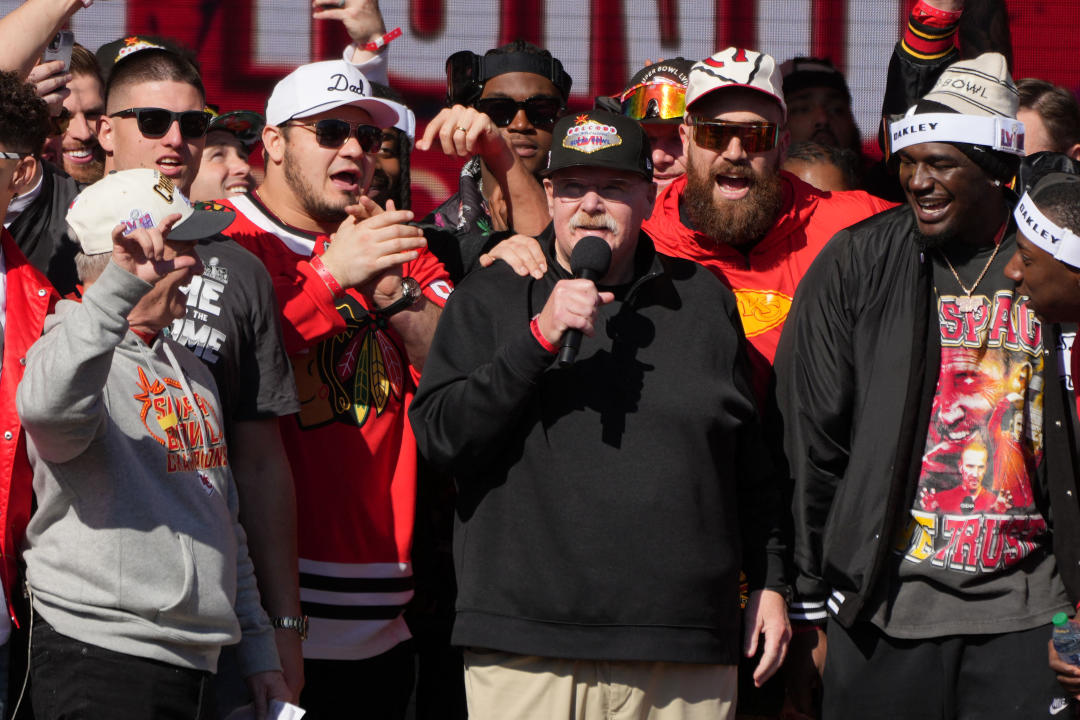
x=155, y=122
x=541, y=110
x=333, y=133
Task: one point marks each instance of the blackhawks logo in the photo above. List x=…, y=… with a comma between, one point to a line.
x=348, y=377
x=210, y=206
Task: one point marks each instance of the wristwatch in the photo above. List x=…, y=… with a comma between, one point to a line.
x=410, y=293
x=299, y=624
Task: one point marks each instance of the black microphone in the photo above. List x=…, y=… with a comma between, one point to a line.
x=589, y=260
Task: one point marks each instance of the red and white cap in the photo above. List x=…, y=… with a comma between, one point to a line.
x=739, y=68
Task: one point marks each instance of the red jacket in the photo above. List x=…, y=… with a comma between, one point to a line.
x=764, y=280
x=30, y=298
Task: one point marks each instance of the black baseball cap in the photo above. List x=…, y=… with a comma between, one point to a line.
x=113, y=52
x=801, y=73
x=601, y=139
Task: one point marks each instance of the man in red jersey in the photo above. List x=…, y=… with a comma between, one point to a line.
x=359, y=297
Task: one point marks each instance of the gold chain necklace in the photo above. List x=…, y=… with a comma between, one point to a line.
x=969, y=304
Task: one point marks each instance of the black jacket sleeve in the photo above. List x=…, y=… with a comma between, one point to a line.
x=814, y=390
x=910, y=78
x=478, y=378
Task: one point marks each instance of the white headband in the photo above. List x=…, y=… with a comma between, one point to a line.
x=999, y=133
x=1063, y=244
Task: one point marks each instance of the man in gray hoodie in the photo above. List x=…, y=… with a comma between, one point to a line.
x=137, y=566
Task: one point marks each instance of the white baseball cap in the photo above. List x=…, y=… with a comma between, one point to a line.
x=736, y=67
x=407, y=123
x=139, y=198
x=316, y=87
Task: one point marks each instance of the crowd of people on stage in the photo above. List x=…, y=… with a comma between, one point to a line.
x=683, y=406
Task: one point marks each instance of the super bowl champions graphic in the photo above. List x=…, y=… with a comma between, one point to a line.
x=974, y=510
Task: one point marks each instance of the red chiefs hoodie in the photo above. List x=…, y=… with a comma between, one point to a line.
x=764, y=279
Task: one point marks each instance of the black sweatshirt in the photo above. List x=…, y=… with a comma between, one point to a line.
x=605, y=509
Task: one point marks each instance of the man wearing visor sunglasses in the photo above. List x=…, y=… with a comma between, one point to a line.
x=656, y=97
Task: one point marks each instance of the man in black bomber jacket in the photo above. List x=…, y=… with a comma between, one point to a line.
x=909, y=365
x=605, y=508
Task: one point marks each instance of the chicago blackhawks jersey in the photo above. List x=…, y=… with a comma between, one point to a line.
x=352, y=452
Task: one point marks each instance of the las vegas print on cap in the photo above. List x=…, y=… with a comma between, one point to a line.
x=588, y=136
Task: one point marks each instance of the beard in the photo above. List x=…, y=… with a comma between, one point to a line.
x=933, y=242
x=739, y=222
x=936, y=241
x=87, y=173
x=316, y=206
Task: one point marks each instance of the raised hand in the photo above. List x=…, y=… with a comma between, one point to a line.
x=143, y=253
x=464, y=132
x=362, y=18
x=50, y=82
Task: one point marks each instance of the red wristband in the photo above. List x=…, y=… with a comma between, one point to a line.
x=929, y=15
x=327, y=277
x=384, y=40
x=930, y=33
x=534, y=326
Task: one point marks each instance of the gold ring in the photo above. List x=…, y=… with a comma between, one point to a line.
x=462, y=129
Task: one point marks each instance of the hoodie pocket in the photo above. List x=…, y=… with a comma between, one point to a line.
x=185, y=601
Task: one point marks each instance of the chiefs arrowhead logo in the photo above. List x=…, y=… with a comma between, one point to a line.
x=762, y=310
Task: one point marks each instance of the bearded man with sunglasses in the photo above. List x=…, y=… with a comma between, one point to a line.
x=756, y=227
x=359, y=297
x=155, y=119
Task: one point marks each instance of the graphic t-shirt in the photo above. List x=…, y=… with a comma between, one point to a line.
x=231, y=324
x=975, y=556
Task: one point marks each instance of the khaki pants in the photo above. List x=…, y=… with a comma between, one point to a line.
x=504, y=686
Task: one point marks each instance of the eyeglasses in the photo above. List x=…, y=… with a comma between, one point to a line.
x=13, y=155
x=155, y=122
x=716, y=135
x=333, y=133
x=541, y=110
x=654, y=101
